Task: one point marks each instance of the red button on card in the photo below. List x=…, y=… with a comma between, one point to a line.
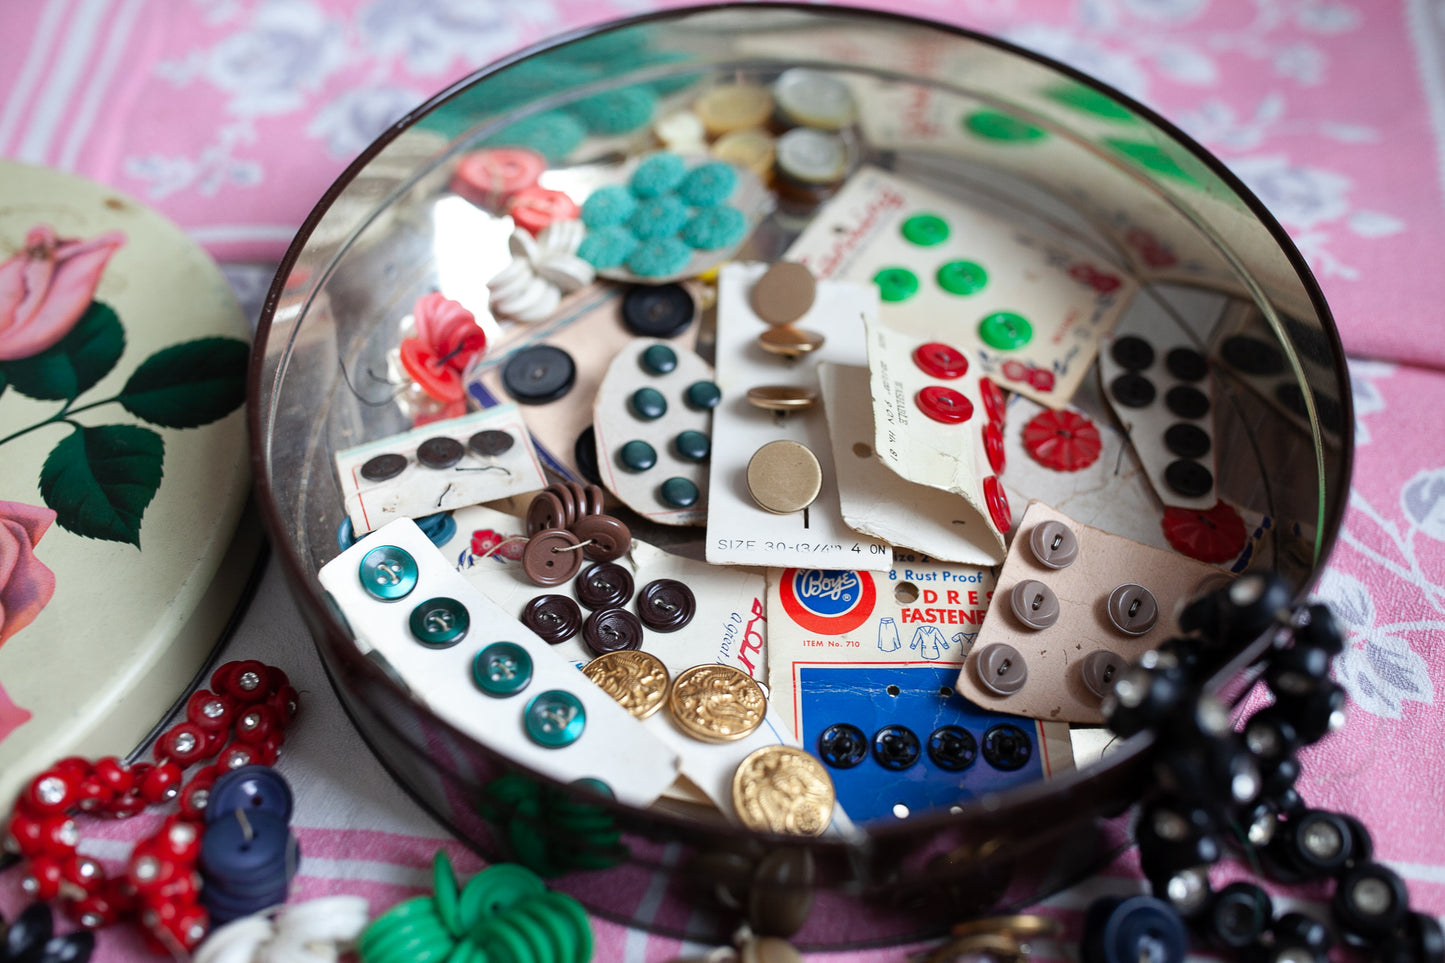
x=944, y=404
x=998, y=509
x=993, y=399
x=535, y=207
x=490, y=176
x=993, y=446
x=940, y=360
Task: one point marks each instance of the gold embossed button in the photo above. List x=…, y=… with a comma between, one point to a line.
x=783, y=790
x=784, y=477
x=790, y=342
x=782, y=397
x=716, y=703
x=635, y=680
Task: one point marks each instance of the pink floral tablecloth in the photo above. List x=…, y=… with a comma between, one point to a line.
x=233, y=116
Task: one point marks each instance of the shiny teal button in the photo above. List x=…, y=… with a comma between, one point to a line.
x=440, y=622
x=703, y=395
x=692, y=445
x=554, y=718
x=593, y=784
x=502, y=669
x=679, y=493
x=388, y=573
x=896, y=283
x=659, y=359
x=637, y=456
x=648, y=404
x=1005, y=330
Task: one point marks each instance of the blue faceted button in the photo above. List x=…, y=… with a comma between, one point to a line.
x=555, y=718
x=388, y=572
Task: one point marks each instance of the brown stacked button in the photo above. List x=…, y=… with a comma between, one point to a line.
x=666, y=605
x=551, y=557
x=604, y=586
x=610, y=630
x=609, y=537
x=545, y=512
x=555, y=618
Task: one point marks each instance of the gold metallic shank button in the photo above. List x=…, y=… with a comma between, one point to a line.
x=783, y=790
x=635, y=680
x=716, y=703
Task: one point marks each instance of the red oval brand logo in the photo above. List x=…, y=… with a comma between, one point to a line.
x=829, y=602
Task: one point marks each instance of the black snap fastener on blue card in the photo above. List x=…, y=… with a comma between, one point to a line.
x=1132, y=390
x=1133, y=930
x=539, y=374
x=952, y=748
x=842, y=745
x=657, y=311
x=1007, y=747
x=1132, y=353
x=896, y=747
x=250, y=789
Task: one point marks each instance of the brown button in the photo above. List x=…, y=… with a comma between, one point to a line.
x=383, y=467
x=594, y=499
x=1001, y=670
x=1132, y=609
x=790, y=342
x=551, y=557
x=555, y=618
x=579, y=500
x=609, y=536
x=1100, y=669
x=784, y=293
x=782, y=397
x=605, y=585
x=491, y=442
x=544, y=512
x=1034, y=603
x=784, y=477
x=666, y=605
x=440, y=452
x=567, y=500
x=1053, y=544
x=610, y=630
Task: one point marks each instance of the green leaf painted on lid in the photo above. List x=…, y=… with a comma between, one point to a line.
x=100, y=480
x=1151, y=157
x=189, y=384
x=1090, y=101
x=75, y=362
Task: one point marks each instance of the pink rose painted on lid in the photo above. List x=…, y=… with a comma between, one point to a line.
x=26, y=585
x=47, y=286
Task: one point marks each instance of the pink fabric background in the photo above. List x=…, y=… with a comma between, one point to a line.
x=232, y=117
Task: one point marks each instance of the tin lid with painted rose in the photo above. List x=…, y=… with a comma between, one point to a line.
x=122, y=375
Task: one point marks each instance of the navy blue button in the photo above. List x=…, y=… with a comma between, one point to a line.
x=896, y=747
x=223, y=906
x=1007, y=747
x=842, y=745
x=657, y=311
x=250, y=789
x=248, y=854
x=1133, y=929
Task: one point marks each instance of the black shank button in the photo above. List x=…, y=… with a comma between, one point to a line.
x=539, y=374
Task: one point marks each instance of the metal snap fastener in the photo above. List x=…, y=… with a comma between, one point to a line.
x=440, y=452
x=666, y=605
x=1132, y=609
x=554, y=718
x=440, y=622
x=1054, y=544
x=609, y=630
x=1100, y=668
x=1007, y=747
x=842, y=745
x=491, y=442
x=555, y=618
x=784, y=293
x=1001, y=669
x=383, y=467
x=604, y=585
x=388, y=572
x=1034, y=604
x=896, y=747
x=502, y=669
x=952, y=748
x=784, y=477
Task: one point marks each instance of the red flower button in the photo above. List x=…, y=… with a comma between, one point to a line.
x=535, y=207
x=1062, y=440
x=1216, y=535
